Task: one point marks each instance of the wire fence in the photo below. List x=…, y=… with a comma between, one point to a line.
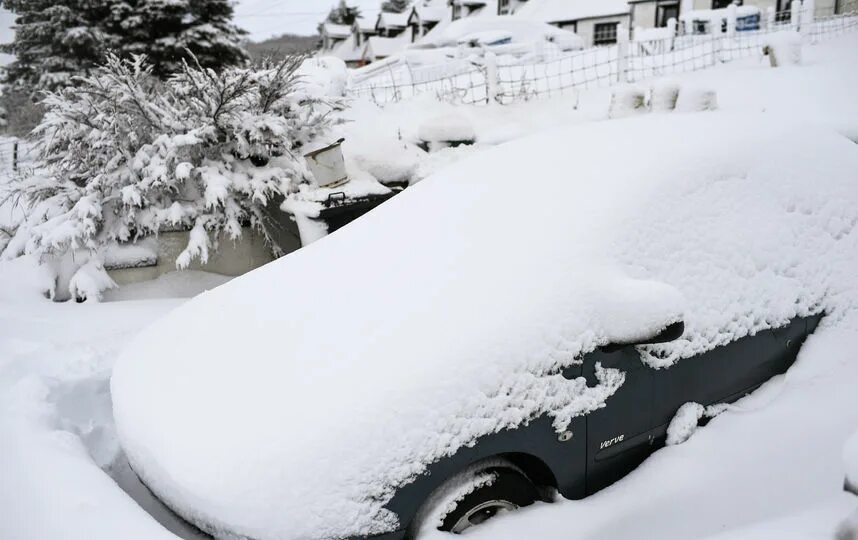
x=507, y=79
x=16, y=158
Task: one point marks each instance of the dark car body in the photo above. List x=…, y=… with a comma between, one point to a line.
x=607, y=444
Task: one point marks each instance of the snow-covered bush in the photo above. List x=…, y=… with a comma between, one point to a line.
x=123, y=156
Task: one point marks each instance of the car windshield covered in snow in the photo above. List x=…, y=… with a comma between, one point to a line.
x=293, y=402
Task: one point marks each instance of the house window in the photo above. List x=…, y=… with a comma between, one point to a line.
x=720, y=4
x=605, y=33
x=457, y=11
x=665, y=12
x=503, y=7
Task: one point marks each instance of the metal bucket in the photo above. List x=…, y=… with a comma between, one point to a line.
x=327, y=165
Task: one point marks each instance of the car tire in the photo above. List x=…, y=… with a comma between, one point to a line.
x=476, y=495
x=509, y=491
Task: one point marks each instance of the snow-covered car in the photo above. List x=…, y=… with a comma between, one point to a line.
x=524, y=322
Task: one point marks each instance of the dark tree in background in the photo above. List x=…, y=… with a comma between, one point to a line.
x=58, y=39
x=343, y=14
x=54, y=41
x=165, y=30
x=395, y=6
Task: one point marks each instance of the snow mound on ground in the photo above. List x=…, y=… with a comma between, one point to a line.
x=295, y=412
x=447, y=127
x=684, y=423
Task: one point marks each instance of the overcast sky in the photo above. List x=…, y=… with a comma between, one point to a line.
x=269, y=18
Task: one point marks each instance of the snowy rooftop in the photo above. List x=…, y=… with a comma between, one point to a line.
x=337, y=30
x=392, y=20
x=348, y=50
x=365, y=25
x=382, y=47
x=553, y=11
x=430, y=13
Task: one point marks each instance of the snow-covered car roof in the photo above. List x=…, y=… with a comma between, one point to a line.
x=292, y=402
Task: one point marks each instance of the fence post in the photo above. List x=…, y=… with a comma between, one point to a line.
x=731, y=20
x=795, y=15
x=491, y=77
x=808, y=13
x=15, y=156
x=622, y=54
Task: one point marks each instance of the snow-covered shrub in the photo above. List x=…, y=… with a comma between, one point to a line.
x=123, y=156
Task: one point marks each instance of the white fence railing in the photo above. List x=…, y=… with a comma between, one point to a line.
x=507, y=79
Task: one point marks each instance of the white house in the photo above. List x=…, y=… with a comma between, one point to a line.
x=351, y=50
x=469, y=8
x=424, y=17
x=656, y=13
x=334, y=34
x=390, y=25
x=509, y=7
x=595, y=21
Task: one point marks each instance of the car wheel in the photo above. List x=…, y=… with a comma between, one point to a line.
x=510, y=490
x=477, y=495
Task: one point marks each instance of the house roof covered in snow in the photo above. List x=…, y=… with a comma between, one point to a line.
x=348, y=50
x=428, y=13
x=364, y=25
x=553, y=11
x=392, y=20
x=337, y=30
x=378, y=47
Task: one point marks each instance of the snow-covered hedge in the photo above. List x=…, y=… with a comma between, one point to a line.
x=123, y=156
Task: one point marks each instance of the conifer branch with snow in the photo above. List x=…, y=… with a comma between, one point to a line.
x=122, y=155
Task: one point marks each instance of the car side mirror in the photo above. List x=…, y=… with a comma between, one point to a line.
x=671, y=332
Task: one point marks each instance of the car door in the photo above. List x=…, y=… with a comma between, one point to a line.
x=618, y=435
x=729, y=372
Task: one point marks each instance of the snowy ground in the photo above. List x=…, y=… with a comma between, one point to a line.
x=770, y=468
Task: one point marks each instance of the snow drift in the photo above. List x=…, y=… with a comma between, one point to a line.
x=293, y=412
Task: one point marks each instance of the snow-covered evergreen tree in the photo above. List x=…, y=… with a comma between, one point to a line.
x=343, y=14
x=123, y=156
x=395, y=6
x=55, y=40
x=165, y=30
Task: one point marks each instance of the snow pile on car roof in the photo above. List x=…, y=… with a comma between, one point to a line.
x=293, y=401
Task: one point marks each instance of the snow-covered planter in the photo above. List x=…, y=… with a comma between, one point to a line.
x=448, y=313
x=663, y=97
x=627, y=101
x=123, y=156
x=694, y=99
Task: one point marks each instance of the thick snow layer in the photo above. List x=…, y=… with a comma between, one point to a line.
x=684, y=423
x=449, y=127
x=425, y=350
